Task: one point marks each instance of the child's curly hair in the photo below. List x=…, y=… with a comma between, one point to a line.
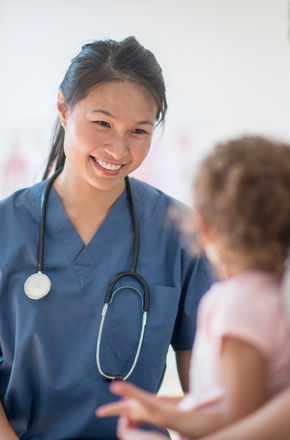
x=242, y=191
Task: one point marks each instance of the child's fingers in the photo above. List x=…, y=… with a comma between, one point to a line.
x=140, y=434
x=138, y=405
x=132, y=434
x=125, y=431
x=128, y=389
x=123, y=426
x=114, y=409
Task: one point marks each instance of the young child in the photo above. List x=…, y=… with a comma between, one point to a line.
x=242, y=347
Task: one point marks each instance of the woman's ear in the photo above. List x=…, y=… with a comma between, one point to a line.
x=62, y=108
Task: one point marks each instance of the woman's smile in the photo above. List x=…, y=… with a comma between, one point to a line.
x=108, y=134
x=107, y=166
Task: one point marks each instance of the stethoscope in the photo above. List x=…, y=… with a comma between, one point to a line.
x=38, y=285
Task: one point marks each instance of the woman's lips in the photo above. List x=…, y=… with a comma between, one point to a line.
x=107, y=167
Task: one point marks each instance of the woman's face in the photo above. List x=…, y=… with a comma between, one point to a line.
x=108, y=134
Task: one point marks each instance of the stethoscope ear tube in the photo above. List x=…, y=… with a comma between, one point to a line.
x=129, y=273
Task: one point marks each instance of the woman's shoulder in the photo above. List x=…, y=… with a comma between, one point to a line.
x=21, y=201
x=165, y=217
x=149, y=197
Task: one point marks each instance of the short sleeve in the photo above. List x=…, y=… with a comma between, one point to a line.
x=250, y=317
x=196, y=280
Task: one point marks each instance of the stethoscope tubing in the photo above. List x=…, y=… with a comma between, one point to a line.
x=38, y=285
x=135, y=225
x=110, y=292
x=144, y=322
x=135, y=275
x=42, y=220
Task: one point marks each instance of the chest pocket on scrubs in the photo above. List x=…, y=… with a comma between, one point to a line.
x=124, y=324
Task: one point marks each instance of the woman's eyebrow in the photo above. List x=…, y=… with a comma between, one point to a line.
x=145, y=122
x=103, y=111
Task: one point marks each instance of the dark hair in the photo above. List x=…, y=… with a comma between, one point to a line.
x=242, y=191
x=101, y=62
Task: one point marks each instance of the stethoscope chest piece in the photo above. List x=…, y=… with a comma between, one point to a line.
x=37, y=286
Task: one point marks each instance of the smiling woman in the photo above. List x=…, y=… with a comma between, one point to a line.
x=108, y=133
x=111, y=99
x=100, y=153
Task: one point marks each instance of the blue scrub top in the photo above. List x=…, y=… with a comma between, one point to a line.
x=49, y=382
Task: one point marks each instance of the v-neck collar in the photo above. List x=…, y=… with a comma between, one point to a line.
x=84, y=259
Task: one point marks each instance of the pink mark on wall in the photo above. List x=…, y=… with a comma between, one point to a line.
x=15, y=170
x=146, y=173
x=183, y=140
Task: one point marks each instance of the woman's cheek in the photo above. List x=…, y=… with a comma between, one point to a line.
x=92, y=139
x=142, y=149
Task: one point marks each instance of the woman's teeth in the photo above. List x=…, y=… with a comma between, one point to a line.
x=107, y=166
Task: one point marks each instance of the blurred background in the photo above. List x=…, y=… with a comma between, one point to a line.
x=226, y=64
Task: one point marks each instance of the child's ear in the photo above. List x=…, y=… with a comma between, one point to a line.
x=208, y=241
x=205, y=232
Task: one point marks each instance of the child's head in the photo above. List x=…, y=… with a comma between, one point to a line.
x=242, y=200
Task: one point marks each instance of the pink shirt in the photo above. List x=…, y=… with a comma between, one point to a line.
x=248, y=307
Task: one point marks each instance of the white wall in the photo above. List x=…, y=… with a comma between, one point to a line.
x=226, y=65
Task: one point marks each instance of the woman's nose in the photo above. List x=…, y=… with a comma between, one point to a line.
x=117, y=147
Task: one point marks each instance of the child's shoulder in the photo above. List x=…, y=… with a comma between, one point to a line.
x=246, y=293
x=249, y=303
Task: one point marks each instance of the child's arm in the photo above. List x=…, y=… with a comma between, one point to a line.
x=271, y=422
x=243, y=378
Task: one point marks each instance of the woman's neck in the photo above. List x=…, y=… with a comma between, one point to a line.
x=86, y=206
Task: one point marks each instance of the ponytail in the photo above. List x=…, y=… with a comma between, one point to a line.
x=56, y=158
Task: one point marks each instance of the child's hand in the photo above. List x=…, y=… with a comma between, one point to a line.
x=125, y=431
x=139, y=406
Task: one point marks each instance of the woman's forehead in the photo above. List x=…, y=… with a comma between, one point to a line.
x=120, y=98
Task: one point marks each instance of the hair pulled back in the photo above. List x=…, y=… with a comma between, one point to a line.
x=242, y=191
x=100, y=62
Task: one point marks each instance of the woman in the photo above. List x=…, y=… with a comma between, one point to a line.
x=110, y=100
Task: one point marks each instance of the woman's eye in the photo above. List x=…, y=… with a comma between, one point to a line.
x=139, y=131
x=102, y=123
